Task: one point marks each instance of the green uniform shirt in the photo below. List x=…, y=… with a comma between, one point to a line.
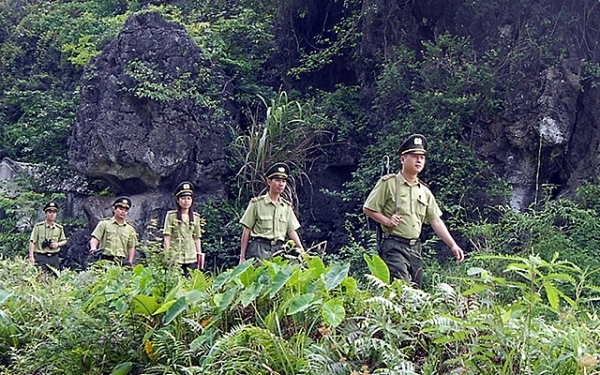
x=183, y=237
x=42, y=231
x=269, y=220
x=417, y=205
x=115, y=238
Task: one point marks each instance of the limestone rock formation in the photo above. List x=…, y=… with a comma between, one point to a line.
x=539, y=133
x=152, y=112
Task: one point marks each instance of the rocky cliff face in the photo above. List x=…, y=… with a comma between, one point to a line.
x=153, y=109
x=534, y=143
x=148, y=113
x=547, y=132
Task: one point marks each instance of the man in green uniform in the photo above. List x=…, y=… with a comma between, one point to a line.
x=401, y=203
x=269, y=218
x=116, y=236
x=46, y=239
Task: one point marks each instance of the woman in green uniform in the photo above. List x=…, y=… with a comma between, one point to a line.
x=182, y=230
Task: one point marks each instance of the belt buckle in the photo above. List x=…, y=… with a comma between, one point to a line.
x=412, y=242
x=273, y=242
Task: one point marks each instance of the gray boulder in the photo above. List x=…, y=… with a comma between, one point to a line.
x=152, y=112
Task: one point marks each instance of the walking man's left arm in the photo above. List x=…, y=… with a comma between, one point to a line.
x=440, y=229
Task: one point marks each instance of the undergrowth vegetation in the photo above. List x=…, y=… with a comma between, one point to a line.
x=524, y=302
x=306, y=317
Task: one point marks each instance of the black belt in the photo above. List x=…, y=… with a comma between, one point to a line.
x=268, y=241
x=407, y=241
x=47, y=254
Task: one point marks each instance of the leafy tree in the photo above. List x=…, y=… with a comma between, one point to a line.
x=40, y=134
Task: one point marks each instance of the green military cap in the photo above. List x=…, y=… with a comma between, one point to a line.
x=123, y=202
x=415, y=144
x=278, y=170
x=51, y=206
x=184, y=189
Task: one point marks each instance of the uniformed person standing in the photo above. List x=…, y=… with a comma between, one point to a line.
x=269, y=218
x=401, y=203
x=115, y=235
x=182, y=230
x=46, y=239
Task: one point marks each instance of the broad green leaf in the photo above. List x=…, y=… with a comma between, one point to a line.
x=248, y=276
x=198, y=281
x=120, y=306
x=552, y=294
x=173, y=293
x=142, y=304
x=378, y=267
x=249, y=294
x=241, y=268
x=333, y=312
x=279, y=280
x=221, y=279
x=316, y=264
x=177, y=308
x=122, y=369
x=298, y=279
x=475, y=289
x=517, y=267
x=223, y=300
x=194, y=296
x=4, y=295
x=336, y=274
x=569, y=300
x=164, y=307
x=561, y=277
x=476, y=271
x=301, y=303
x=349, y=286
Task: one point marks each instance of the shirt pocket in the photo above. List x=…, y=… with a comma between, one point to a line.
x=421, y=208
x=265, y=222
x=111, y=235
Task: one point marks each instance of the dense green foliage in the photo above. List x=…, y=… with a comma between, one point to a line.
x=295, y=318
x=524, y=302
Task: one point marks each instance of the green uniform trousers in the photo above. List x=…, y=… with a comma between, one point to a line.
x=261, y=249
x=403, y=260
x=47, y=259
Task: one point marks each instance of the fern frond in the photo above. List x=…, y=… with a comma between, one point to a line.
x=375, y=283
x=250, y=350
x=383, y=305
x=442, y=323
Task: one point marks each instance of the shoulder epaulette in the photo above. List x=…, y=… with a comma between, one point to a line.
x=130, y=224
x=388, y=176
x=197, y=214
x=423, y=183
x=58, y=225
x=172, y=211
x=286, y=201
x=256, y=199
x=40, y=223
